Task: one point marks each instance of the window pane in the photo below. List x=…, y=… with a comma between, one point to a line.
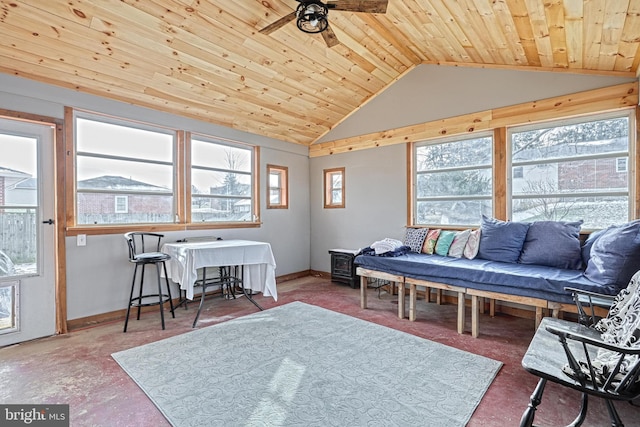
x=594, y=137
x=452, y=212
x=571, y=177
x=557, y=184
x=221, y=169
x=124, y=173
x=100, y=174
x=19, y=176
x=9, y=297
x=468, y=152
x=220, y=156
x=98, y=137
x=453, y=181
x=597, y=212
x=211, y=209
x=466, y=182
x=220, y=183
x=100, y=209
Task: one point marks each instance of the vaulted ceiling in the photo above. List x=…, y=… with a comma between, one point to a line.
x=206, y=59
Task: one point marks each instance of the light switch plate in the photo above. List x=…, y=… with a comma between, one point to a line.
x=81, y=240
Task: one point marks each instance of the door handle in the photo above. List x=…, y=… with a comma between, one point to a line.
x=49, y=221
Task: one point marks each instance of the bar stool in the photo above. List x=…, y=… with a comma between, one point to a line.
x=144, y=249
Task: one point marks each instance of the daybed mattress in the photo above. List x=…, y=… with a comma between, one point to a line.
x=509, y=278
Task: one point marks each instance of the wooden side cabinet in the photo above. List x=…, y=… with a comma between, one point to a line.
x=343, y=269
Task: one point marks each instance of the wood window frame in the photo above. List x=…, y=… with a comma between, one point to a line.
x=329, y=188
x=282, y=188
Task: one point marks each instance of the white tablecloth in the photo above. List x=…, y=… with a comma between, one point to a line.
x=257, y=260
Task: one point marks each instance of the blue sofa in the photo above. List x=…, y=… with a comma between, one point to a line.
x=604, y=263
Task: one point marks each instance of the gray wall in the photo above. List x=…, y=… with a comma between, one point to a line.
x=376, y=195
x=98, y=274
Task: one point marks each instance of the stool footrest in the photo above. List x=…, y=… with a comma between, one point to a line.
x=139, y=301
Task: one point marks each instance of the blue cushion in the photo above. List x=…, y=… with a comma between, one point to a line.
x=615, y=255
x=501, y=240
x=586, y=247
x=554, y=244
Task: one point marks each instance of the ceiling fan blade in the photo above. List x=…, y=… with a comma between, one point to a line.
x=368, y=6
x=330, y=37
x=279, y=23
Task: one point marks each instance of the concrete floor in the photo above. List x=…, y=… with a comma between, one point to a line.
x=77, y=368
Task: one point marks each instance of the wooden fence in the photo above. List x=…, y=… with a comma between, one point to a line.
x=18, y=236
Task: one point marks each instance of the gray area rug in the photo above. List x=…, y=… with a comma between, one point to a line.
x=302, y=365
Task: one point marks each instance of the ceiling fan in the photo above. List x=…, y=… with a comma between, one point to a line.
x=311, y=16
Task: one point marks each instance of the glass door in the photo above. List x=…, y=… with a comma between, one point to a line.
x=27, y=252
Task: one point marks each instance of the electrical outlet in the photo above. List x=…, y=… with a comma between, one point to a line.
x=81, y=240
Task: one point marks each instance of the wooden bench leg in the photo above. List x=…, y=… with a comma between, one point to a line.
x=413, y=291
x=401, y=297
x=538, y=316
x=439, y=296
x=475, y=314
x=461, y=312
x=492, y=307
x=363, y=292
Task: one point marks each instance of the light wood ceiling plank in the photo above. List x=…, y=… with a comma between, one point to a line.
x=574, y=15
x=537, y=16
x=628, y=55
x=614, y=19
x=381, y=25
x=511, y=36
x=522, y=22
x=593, y=20
x=493, y=32
x=554, y=11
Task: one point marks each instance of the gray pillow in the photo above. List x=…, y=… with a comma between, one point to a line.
x=554, y=244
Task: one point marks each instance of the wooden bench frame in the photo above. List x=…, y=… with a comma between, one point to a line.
x=476, y=307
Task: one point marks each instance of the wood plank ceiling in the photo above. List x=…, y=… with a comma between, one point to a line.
x=205, y=59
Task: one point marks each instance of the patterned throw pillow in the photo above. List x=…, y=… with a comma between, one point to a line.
x=444, y=242
x=459, y=243
x=430, y=242
x=471, y=249
x=414, y=238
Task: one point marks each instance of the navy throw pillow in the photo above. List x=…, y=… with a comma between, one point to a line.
x=501, y=240
x=615, y=256
x=554, y=244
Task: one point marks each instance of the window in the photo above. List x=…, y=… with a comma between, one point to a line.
x=118, y=160
x=277, y=187
x=222, y=181
x=334, y=188
x=621, y=164
x=573, y=170
x=122, y=204
x=130, y=174
x=452, y=180
x=518, y=172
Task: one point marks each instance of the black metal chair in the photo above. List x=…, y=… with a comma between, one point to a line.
x=599, y=358
x=144, y=249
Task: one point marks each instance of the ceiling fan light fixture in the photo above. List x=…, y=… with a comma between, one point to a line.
x=312, y=17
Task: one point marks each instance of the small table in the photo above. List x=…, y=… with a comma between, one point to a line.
x=343, y=269
x=256, y=259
